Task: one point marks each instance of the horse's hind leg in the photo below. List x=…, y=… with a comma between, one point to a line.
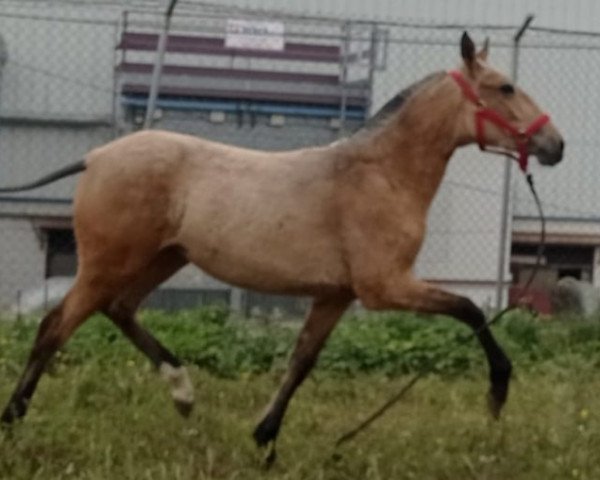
x=55, y=329
x=122, y=312
x=169, y=366
x=323, y=316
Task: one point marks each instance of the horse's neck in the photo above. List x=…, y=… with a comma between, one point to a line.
x=415, y=144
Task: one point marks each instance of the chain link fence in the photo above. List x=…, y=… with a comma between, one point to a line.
x=75, y=80
x=556, y=66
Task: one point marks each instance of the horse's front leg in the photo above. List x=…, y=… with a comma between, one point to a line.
x=323, y=316
x=410, y=294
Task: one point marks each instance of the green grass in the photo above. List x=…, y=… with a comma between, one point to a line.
x=101, y=412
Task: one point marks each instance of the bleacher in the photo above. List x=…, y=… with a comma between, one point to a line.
x=287, y=86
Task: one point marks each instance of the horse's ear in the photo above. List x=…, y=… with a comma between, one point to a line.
x=483, y=53
x=467, y=50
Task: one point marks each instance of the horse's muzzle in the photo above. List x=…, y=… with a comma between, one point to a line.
x=549, y=150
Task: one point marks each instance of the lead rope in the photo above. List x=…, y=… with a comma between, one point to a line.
x=349, y=435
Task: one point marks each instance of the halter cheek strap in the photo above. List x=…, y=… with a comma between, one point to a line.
x=483, y=114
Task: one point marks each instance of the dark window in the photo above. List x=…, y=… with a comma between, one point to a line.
x=561, y=255
x=559, y=261
x=61, y=256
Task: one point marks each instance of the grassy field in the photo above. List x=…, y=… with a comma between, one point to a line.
x=101, y=413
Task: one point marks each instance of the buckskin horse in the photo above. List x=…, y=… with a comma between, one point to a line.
x=338, y=222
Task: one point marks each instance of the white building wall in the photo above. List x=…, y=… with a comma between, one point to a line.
x=573, y=14
x=31, y=151
x=22, y=259
x=57, y=69
x=559, y=79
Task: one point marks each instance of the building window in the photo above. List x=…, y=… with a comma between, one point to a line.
x=61, y=254
x=558, y=261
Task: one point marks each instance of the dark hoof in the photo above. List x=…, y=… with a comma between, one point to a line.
x=498, y=391
x=14, y=410
x=494, y=406
x=336, y=456
x=184, y=408
x=270, y=457
x=266, y=431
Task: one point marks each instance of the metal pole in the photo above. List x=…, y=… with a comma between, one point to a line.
x=158, y=63
x=19, y=307
x=115, y=86
x=45, y=295
x=506, y=213
x=371, y=77
x=344, y=77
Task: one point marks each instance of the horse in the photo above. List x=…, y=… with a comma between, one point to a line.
x=339, y=223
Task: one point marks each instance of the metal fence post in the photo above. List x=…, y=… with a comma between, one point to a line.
x=158, y=63
x=374, y=38
x=346, y=29
x=506, y=194
x=237, y=300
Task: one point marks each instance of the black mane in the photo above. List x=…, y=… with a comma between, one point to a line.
x=397, y=101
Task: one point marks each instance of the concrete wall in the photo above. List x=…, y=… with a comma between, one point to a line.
x=57, y=69
x=22, y=259
x=31, y=150
x=574, y=14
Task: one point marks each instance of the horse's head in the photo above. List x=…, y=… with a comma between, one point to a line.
x=500, y=114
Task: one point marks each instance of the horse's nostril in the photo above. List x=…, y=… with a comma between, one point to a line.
x=561, y=145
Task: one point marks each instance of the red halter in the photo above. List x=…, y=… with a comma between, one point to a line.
x=522, y=137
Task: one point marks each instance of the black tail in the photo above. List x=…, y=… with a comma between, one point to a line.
x=72, y=169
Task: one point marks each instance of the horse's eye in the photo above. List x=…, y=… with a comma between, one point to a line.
x=507, y=89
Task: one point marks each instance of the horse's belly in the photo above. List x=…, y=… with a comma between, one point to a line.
x=271, y=257
x=271, y=269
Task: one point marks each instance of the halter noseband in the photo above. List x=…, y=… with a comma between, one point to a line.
x=483, y=114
